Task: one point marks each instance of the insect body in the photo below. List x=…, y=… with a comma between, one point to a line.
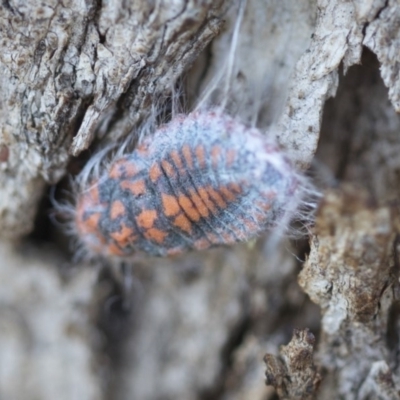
x=201, y=180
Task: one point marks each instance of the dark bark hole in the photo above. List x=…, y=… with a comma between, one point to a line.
x=359, y=129
x=393, y=334
x=44, y=230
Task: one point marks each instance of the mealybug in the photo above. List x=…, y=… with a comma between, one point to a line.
x=201, y=180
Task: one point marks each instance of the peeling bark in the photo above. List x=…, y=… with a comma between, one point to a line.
x=293, y=374
x=352, y=274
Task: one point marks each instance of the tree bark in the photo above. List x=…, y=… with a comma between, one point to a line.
x=322, y=76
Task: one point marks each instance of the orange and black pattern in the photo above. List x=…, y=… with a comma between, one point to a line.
x=201, y=180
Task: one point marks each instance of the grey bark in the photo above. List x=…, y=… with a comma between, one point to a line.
x=81, y=74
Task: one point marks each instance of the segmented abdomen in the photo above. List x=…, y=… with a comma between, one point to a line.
x=199, y=181
x=197, y=205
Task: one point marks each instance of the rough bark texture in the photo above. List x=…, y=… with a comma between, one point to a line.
x=352, y=274
x=293, y=374
x=81, y=74
x=70, y=66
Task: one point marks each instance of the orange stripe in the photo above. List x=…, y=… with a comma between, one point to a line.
x=235, y=187
x=117, y=170
x=215, y=155
x=88, y=225
x=123, y=236
x=123, y=168
x=131, y=169
x=168, y=168
x=114, y=250
x=265, y=206
x=206, y=199
x=146, y=219
x=216, y=197
x=94, y=192
x=187, y=154
x=228, y=238
x=117, y=209
x=177, y=160
x=170, y=205
x=201, y=207
x=155, y=235
x=155, y=172
x=188, y=208
x=183, y=223
x=137, y=188
x=201, y=156
x=228, y=195
x=250, y=225
x=214, y=239
x=201, y=244
x=142, y=149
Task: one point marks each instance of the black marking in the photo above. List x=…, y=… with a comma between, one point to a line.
x=187, y=238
